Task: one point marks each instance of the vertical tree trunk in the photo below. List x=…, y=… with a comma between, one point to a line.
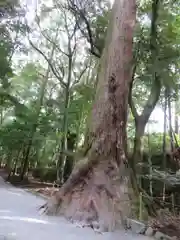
x=63, y=146
x=164, y=147
x=9, y=160
x=140, y=127
x=1, y=115
x=13, y=170
x=170, y=119
x=39, y=106
x=142, y=120
x=26, y=157
x=68, y=167
x=176, y=115
x=97, y=189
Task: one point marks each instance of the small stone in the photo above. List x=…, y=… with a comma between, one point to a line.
x=95, y=225
x=159, y=236
x=128, y=223
x=149, y=232
x=138, y=227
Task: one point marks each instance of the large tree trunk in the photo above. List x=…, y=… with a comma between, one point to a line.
x=97, y=189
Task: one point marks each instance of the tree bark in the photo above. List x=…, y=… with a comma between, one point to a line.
x=164, y=146
x=68, y=167
x=137, y=156
x=170, y=119
x=176, y=119
x=97, y=189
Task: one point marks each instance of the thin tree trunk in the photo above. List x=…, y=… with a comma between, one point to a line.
x=150, y=166
x=176, y=119
x=24, y=150
x=142, y=120
x=97, y=189
x=1, y=115
x=13, y=171
x=170, y=120
x=10, y=171
x=15, y=165
x=68, y=167
x=26, y=157
x=8, y=161
x=63, y=146
x=39, y=106
x=164, y=147
x=137, y=156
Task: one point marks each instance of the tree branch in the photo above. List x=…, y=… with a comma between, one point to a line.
x=13, y=100
x=152, y=100
x=130, y=98
x=52, y=42
x=156, y=85
x=75, y=10
x=80, y=75
x=49, y=63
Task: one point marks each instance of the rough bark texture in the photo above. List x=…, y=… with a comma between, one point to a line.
x=97, y=190
x=68, y=167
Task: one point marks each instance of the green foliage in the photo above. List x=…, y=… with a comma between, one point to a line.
x=32, y=100
x=153, y=143
x=45, y=174
x=100, y=29
x=9, y=28
x=5, y=51
x=167, y=60
x=7, y=8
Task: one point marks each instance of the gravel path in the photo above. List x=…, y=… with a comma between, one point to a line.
x=19, y=220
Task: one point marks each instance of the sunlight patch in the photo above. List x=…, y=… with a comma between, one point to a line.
x=31, y=220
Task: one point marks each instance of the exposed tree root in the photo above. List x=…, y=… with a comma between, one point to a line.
x=93, y=196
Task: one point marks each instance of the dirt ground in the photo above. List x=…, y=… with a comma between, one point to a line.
x=169, y=226
x=31, y=184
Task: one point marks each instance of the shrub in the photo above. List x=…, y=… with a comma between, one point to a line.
x=45, y=174
x=37, y=172
x=166, y=223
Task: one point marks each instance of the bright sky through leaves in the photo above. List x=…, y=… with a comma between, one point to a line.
x=157, y=115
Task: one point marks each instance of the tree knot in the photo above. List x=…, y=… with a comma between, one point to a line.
x=112, y=84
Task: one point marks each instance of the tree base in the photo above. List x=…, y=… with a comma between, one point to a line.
x=100, y=198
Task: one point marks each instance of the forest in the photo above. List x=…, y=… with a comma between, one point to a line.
x=89, y=104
